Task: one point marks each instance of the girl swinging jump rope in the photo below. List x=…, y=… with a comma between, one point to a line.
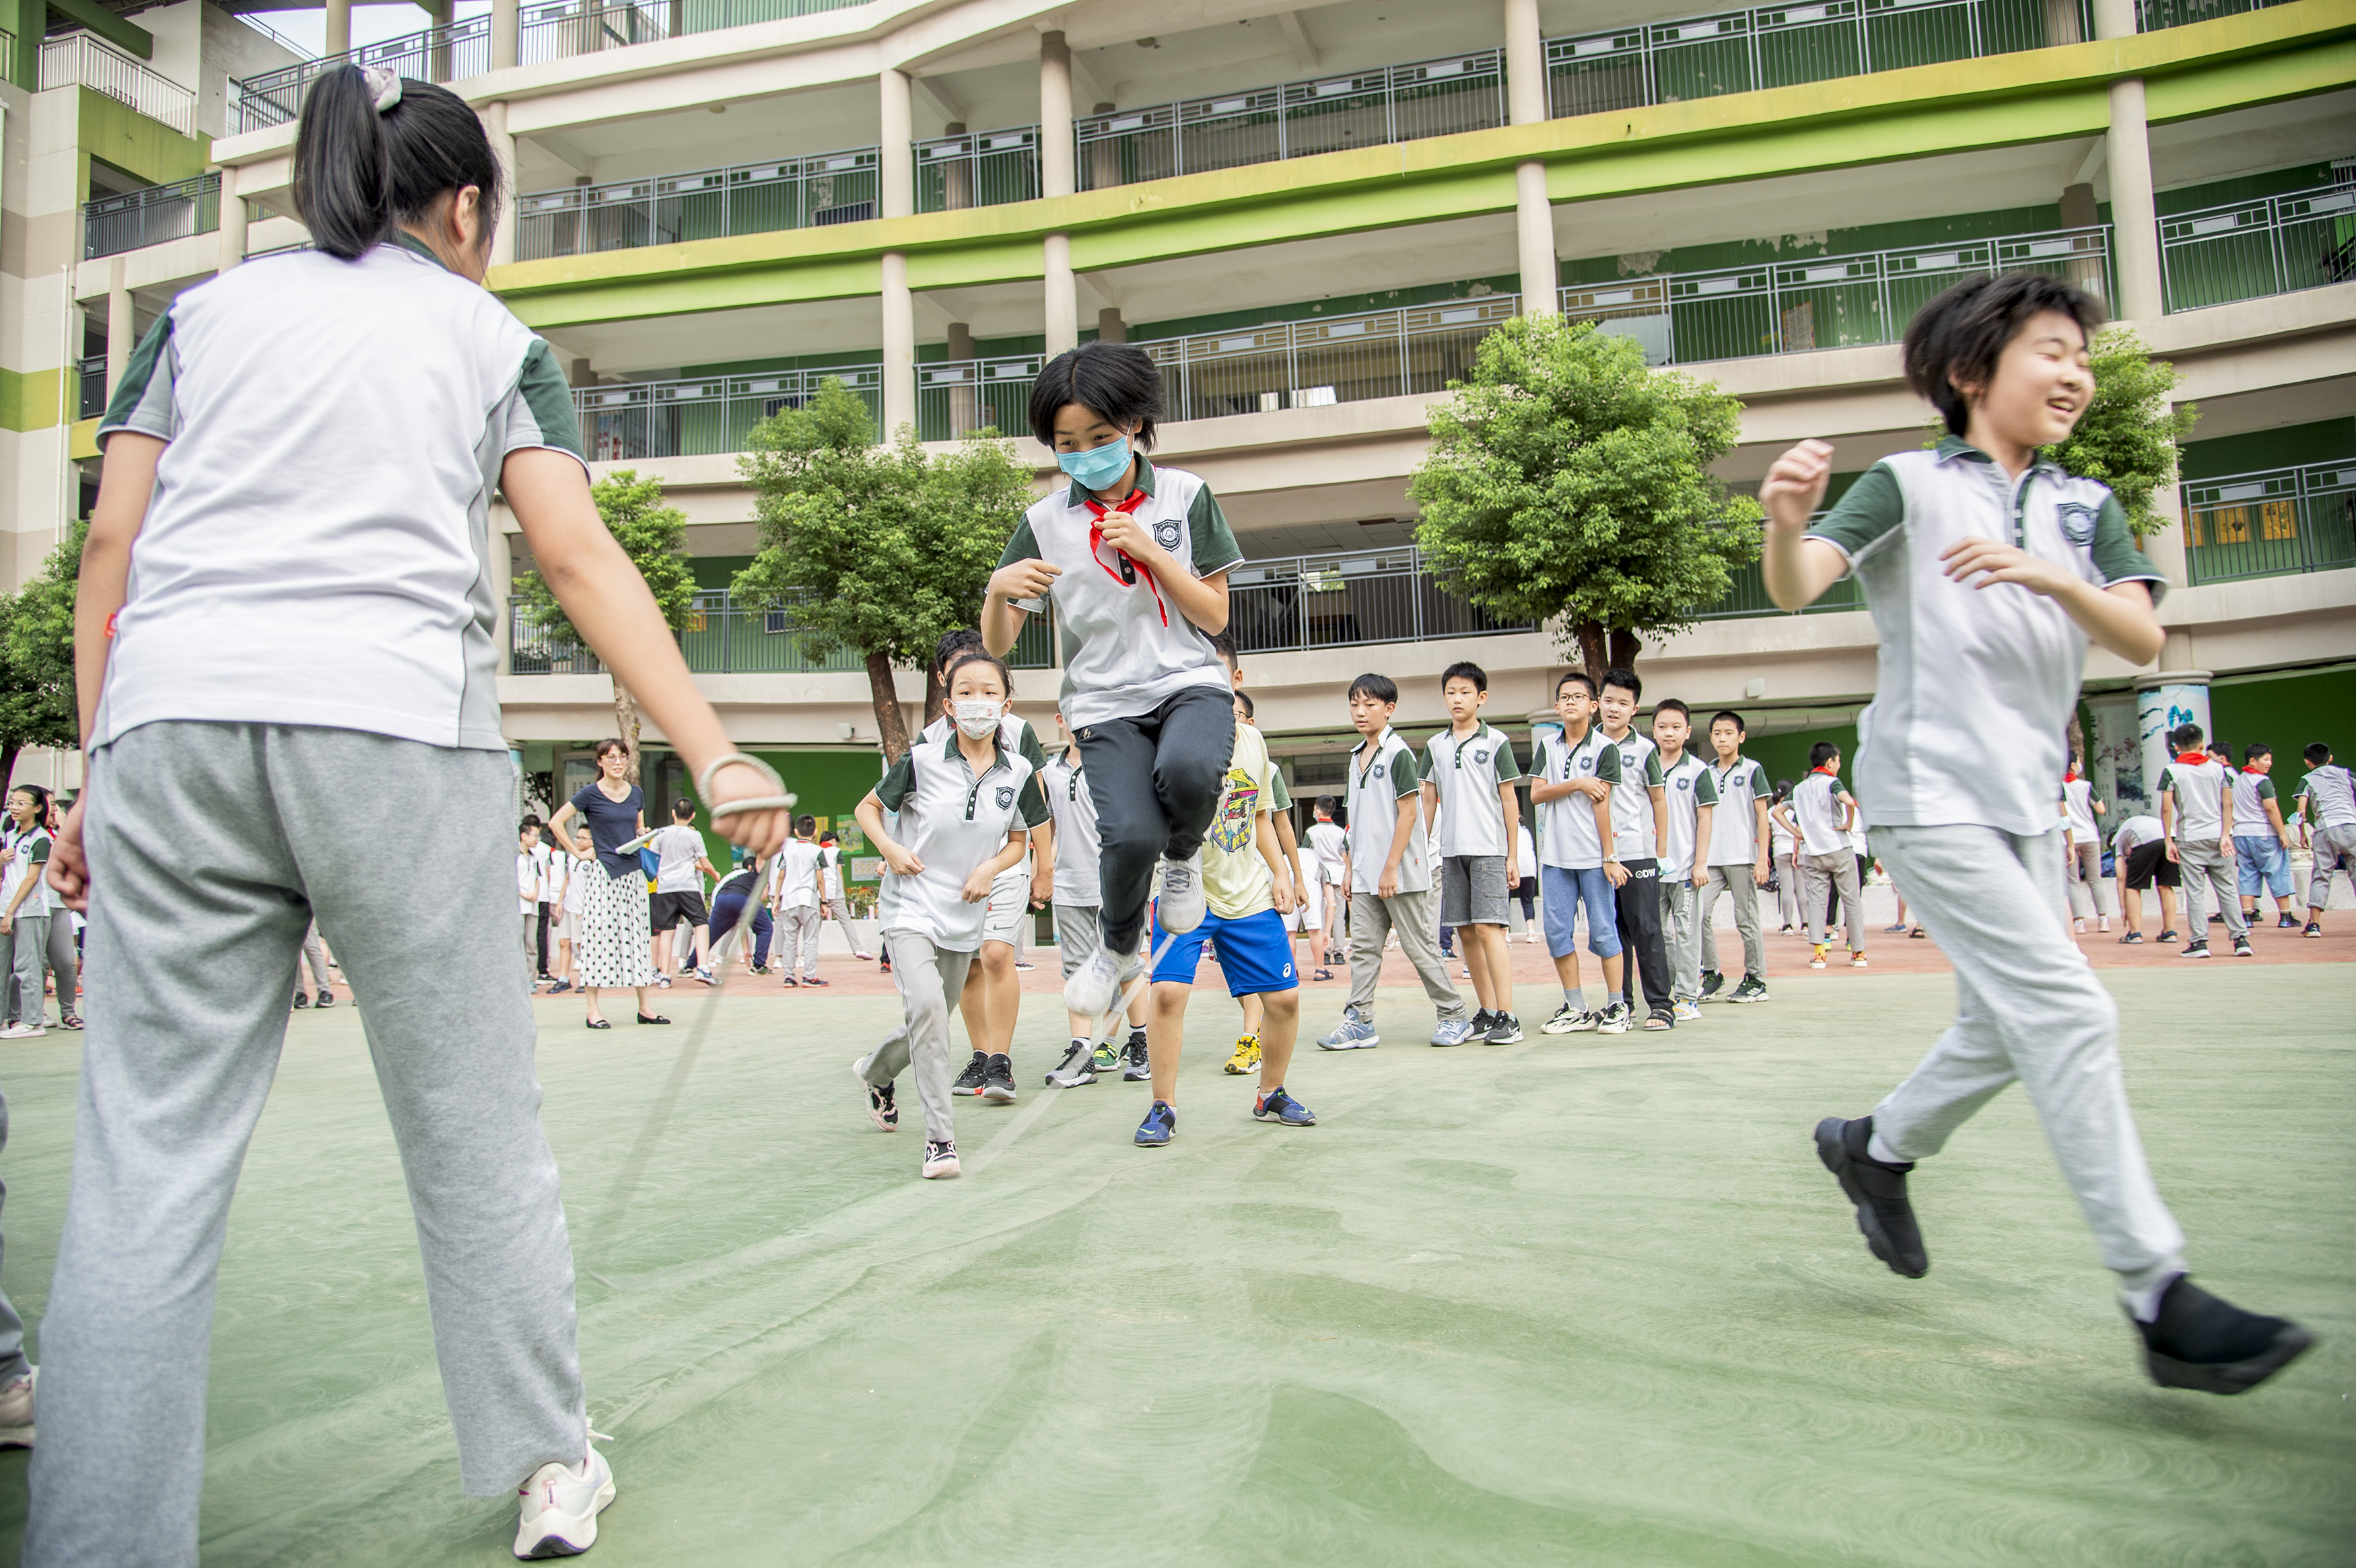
x=288, y=616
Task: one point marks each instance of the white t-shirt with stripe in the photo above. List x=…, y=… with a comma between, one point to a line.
x=1734, y=830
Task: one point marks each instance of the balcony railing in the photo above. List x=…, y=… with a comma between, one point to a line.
x=8, y=56
x=636, y=420
x=90, y=375
x=2272, y=523
x=113, y=224
x=94, y=63
x=749, y=199
x=2275, y=245
x=437, y=53
x=1747, y=597
x=1336, y=360
x=960, y=396
x=1341, y=601
x=2153, y=15
x=985, y=170
x=723, y=637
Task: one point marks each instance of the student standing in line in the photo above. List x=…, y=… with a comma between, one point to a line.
x=1074, y=848
x=1390, y=874
x=1526, y=888
x=1330, y=845
x=1472, y=812
x=553, y=886
x=25, y=911
x=299, y=462
x=527, y=871
x=2196, y=813
x=2260, y=839
x=1988, y=572
x=1136, y=558
x=1690, y=795
x=542, y=859
x=794, y=894
x=1740, y=840
x=2081, y=850
x=1578, y=775
x=2139, y=858
x=834, y=902
x=1637, y=809
x=2327, y=811
x=1787, y=850
x=966, y=810
x=1818, y=816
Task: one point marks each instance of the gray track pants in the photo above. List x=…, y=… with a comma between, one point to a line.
x=839, y=912
x=1737, y=881
x=2090, y=890
x=314, y=957
x=13, y=1364
x=28, y=961
x=1818, y=875
x=2335, y=851
x=2028, y=1007
x=210, y=847
x=1371, y=922
x=930, y=979
x=798, y=930
x=1681, y=937
x=2206, y=868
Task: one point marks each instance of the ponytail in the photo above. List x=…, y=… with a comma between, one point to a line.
x=361, y=171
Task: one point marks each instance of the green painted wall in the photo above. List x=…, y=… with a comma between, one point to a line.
x=2243, y=187
x=29, y=399
x=2287, y=712
x=2327, y=441
x=132, y=143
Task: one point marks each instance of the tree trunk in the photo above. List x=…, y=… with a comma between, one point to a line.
x=890, y=725
x=9, y=753
x=937, y=696
x=1625, y=645
x=1594, y=650
x=625, y=724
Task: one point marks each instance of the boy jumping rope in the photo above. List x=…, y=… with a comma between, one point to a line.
x=1963, y=811
x=1473, y=811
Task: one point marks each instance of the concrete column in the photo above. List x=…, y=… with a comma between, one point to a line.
x=964, y=405
x=339, y=27
x=2114, y=18
x=507, y=20
x=2166, y=549
x=1055, y=115
x=899, y=347
x=121, y=325
x=2164, y=701
x=2135, y=213
x=1062, y=298
x=1534, y=231
x=1110, y=328
x=899, y=157
x=437, y=58
x=503, y=239
x=1526, y=77
x=232, y=223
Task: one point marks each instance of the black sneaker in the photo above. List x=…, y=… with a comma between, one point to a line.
x=323, y=1000
x=969, y=1080
x=1140, y=1067
x=880, y=1109
x=1568, y=1020
x=2198, y=949
x=1712, y=982
x=1077, y=1067
x=1752, y=989
x=1877, y=1190
x=2241, y=948
x=998, y=1080
x=1504, y=1028
x=2200, y=1341
x=301, y=999
x=2216, y=917
x=1481, y=1022
x=2288, y=921
x=2313, y=928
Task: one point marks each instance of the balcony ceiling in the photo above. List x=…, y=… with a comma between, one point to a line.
x=1341, y=265
x=822, y=119
x=654, y=346
x=2243, y=141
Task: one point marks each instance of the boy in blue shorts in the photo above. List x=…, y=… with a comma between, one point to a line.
x=1247, y=890
x=1579, y=863
x=2260, y=839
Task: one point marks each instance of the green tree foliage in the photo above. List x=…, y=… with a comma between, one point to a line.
x=2129, y=436
x=1569, y=482
x=876, y=550
x=655, y=539
x=36, y=657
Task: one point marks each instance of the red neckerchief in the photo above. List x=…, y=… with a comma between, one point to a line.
x=1097, y=512
x=1829, y=773
x=2070, y=777
x=2193, y=759
x=2250, y=768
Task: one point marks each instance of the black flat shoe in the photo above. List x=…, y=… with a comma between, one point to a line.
x=652, y=1018
x=599, y=1023
x=1877, y=1191
x=2202, y=1342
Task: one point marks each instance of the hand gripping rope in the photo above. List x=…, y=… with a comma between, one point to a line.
x=783, y=800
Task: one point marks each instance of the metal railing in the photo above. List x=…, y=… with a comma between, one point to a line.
x=985, y=169
x=1335, y=359
x=90, y=377
x=2153, y=15
x=1746, y=596
x=1341, y=601
x=1297, y=119
x=436, y=54
x=2271, y=523
x=631, y=421
x=113, y=224
x=8, y=56
x=90, y=60
x=958, y=396
x=724, y=637
x=747, y=199
x=1820, y=302
x=2274, y=245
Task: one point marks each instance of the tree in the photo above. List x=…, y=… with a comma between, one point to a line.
x=875, y=549
x=655, y=539
x=36, y=657
x=1568, y=482
x=2127, y=437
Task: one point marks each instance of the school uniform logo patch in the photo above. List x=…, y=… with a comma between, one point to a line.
x=2077, y=521
x=1378, y=769
x=1685, y=783
x=1480, y=756
x=1005, y=796
x=1165, y=533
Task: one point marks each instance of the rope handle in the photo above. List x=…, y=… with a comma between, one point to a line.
x=783, y=800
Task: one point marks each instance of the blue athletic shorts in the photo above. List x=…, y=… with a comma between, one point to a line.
x=1255, y=954
x=2264, y=865
x=1563, y=891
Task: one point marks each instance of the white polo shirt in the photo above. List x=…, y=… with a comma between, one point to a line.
x=2332, y=797
x=1330, y=847
x=953, y=820
x=317, y=551
x=1631, y=797
x=2251, y=793
x=2078, y=810
x=678, y=849
x=793, y=875
x=1127, y=649
x=1572, y=842
x=1817, y=807
x=2199, y=789
x=1079, y=850
x=1734, y=830
x=1689, y=786
x=1381, y=771
x=1467, y=772
x=2132, y=834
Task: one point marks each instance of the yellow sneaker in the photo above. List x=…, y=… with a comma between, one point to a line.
x=1247, y=1056
x=1817, y=954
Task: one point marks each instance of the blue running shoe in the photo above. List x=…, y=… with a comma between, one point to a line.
x=1281, y=1108
x=1355, y=1034
x=1158, y=1124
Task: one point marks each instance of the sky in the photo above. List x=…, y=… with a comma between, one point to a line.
x=370, y=23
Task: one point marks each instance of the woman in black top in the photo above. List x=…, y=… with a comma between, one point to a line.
x=616, y=945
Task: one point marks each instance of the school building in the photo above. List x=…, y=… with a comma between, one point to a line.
x=1309, y=215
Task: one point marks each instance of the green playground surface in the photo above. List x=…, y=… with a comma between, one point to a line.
x=1575, y=1301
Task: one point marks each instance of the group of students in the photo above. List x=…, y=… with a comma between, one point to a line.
x=39, y=934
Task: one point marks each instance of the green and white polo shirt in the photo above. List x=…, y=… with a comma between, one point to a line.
x=1690, y=785
x=953, y=820
x=1014, y=733
x=1734, y=828
x=2251, y=793
x=1631, y=797
x=1127, y=649
x=1818, y=807
x=2331, y=797
x=1976, y=684
x=2200, y=791
x=1381, y=771
x=1568, y=825
x=1078, y=848
x=318, y=551
x=1467, y=772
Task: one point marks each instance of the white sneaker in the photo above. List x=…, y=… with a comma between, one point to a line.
x=1096, y=985
x=559, y=1508
x=1684, y=1012
x=1180, y=908
x=16, y=1409
x=940, y=1160
x=23, y=1031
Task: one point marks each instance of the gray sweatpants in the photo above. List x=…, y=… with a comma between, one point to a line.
x=211, y=847
x=1738, y=881
x=2207, y=866
x=1371, y=919
x=13, y=1364
x=29, y=963
x=1681, y=937
x=63, y=962
x=2335, y=851
x=2029, y=1006
x=312, y=956
x=930, y=979
x=798, y=930
x=1818, y=875
x=2090, y=890
x=839, y=912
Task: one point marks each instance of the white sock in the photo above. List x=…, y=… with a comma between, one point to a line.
x=2141, y=1291
x=1876, y=1149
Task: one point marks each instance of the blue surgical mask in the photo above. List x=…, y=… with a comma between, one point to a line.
x=1099, y=467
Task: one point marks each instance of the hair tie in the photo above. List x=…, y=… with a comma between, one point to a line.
x=383, y=86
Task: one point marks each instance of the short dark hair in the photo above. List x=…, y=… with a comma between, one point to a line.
x=1326, y=804
x=1960, y=334
x=1625, y=678
x=2185, y=736
x=979, y=656
x=827, y=836
x=1381, y=688
x=1244, y=697
x=805, y=824
x=952, y=644
x=531, y=819
x=1783, y=789
x=1581, y=676
x=1121, y=383
x=1739, y=727
x=1668, y=703
x=2318, y=754
x=362, y=172
x=1223, y=643
x=1820, y=753
x=1465, y=669
x=2254, y=750
x=681, y=809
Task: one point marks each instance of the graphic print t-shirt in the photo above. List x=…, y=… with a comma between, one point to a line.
x=1236, y=881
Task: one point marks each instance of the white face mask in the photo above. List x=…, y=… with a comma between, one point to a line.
x=977, y=717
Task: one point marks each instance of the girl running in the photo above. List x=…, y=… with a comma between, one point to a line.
x=287, y=620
